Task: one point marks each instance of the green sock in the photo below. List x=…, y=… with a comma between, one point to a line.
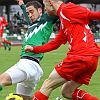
x=9, y=46
x=1, y=87
x=4, y=44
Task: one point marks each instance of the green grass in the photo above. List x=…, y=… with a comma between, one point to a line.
x=9, y=58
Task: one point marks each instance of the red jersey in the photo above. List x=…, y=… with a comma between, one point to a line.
x=3, y=23
x=74, y=30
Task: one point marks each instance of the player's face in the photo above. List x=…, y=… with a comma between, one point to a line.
x=48, y=8
x=33, y=13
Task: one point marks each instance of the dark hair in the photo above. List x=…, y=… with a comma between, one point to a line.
x=36, y=4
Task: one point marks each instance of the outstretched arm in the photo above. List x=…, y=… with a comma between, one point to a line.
x=52, y=45
x=23, y=7
x=94, y=15
x=42, y=49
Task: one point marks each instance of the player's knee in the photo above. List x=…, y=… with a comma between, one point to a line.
x=5, y=79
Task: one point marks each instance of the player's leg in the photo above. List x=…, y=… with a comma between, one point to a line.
x=0, y=38
x=68, y=88
x=71, y=92
x=24, y=91
x=9, y=46
x=34, y=73
x=6, y=42
x=12, y=76
x=5, y=80
x=53, y=81
x=1, y=34
x=5, y=45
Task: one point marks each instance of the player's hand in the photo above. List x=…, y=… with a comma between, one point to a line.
x=28, y=48
x=20, y=2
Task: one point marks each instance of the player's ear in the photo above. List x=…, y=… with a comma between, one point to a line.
x=40, y=10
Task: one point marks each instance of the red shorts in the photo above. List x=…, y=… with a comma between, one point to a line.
x=77, y=68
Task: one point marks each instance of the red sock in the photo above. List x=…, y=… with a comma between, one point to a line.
x=8, y=42
x=82, y=95
x=39, y=96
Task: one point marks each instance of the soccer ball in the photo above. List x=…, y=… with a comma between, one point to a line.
x=58, y=98
x=13, y=96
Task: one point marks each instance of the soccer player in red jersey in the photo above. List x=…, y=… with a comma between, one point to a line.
x=3, y=24
x=82, y=58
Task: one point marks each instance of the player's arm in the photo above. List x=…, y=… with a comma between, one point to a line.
x=23, y=7
x=42, y=49
x=52, y=45
x=94, y=15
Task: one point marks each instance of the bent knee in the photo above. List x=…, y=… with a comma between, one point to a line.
x=5, y=79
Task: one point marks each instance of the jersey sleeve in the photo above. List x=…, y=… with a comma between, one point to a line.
x=52, y=45
x=94, y=15
x=52, y=19
x=23, y=7
x=47, y=32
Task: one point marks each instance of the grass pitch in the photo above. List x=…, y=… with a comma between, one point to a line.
x=9, y=58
